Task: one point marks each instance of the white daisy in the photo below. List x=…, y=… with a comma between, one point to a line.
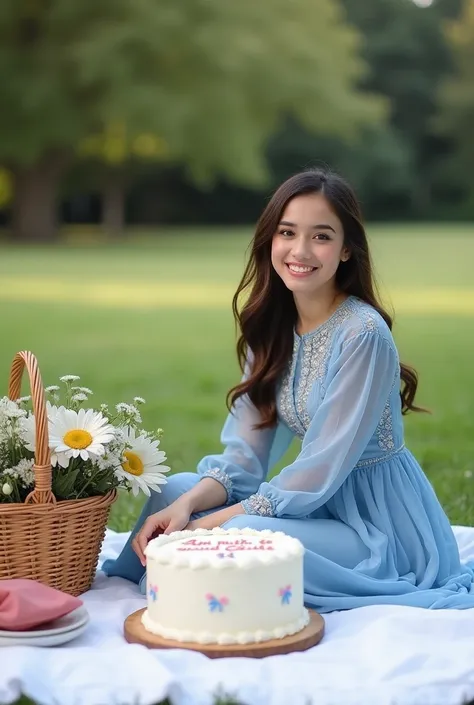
x=29, y=434
x=80, y=433
x=80, y=396
x=142, y=466
x=129, y=414
x=84, y=390
x=10, y=410
x=23, y=472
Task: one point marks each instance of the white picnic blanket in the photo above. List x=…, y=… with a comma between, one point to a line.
x=379, y=655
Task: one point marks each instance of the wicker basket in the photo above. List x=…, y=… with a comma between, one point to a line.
x=55, y=543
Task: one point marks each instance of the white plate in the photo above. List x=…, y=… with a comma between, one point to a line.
x=45, y=639
x=70, y=622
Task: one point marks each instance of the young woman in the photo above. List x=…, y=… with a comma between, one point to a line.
x=319, y=362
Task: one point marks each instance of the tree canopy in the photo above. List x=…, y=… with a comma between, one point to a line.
x=457, y=100
x=210, y=78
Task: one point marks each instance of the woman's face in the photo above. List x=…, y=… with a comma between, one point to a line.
x=308, y=246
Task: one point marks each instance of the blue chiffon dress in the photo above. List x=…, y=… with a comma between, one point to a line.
x=373, y=529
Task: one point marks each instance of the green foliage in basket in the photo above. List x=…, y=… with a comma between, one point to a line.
x=92, y=450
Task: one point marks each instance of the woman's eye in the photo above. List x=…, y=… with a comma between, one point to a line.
x=286, y=233
x=322, y=236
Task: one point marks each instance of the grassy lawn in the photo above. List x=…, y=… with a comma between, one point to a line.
x=151, y=317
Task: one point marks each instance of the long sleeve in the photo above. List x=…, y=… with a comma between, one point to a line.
x=358, y=385
x=248, y=453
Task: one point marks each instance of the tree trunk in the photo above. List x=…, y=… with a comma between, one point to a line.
x=113, y=203
x=34, y=208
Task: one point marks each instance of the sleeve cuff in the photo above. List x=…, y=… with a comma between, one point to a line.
x=258, y=504
x=221, y=477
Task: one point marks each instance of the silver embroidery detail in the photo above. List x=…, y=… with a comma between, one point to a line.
x=385, y=427
x=316, y=352
x=380, y=459
x=286, y=397
x=369, y=320
x=222, y=477
x=316, y=348
x=258, y=504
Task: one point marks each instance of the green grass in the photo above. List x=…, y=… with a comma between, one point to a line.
x=151, y=317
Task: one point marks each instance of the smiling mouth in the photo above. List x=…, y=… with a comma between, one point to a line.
x=300, y=268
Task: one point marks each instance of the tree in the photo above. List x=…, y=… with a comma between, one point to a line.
x=378, y=165
x=409, y=57
x=457, y=100
x=114, y=159
x=211, y=78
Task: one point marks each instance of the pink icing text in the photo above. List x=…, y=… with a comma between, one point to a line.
x=227, y=545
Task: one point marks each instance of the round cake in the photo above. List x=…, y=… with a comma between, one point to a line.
x=235, y=586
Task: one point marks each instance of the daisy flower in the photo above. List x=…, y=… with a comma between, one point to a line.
x=10, y=410
x=84, y=390
x=29, y=434
x=80, y=433
x=80, y=396
x=142, y=466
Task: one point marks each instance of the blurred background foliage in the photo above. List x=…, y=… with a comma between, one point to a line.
x=115, y=112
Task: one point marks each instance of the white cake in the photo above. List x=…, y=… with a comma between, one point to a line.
x=224, y=586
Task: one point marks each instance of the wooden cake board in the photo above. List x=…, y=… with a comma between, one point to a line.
x=135, y=633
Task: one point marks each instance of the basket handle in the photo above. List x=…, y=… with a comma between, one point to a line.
x=41, y=494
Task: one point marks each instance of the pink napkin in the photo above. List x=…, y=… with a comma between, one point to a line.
x=25, y=604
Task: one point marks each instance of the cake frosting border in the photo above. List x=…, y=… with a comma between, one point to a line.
x=224, y=639
x=288, y=547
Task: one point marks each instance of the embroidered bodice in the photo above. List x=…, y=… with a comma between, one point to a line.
x=308, y=368
x=340, y=395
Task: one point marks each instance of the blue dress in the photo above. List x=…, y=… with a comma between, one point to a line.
x=370, y=521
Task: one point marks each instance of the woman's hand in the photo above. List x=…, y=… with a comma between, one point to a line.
x=172, y=518
x=214, y=519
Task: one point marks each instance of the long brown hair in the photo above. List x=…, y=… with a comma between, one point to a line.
x=268, y=316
